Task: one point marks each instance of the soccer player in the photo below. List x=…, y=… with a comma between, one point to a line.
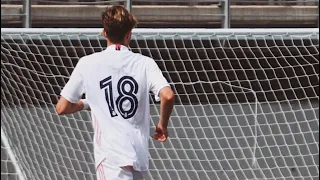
x=117, y=83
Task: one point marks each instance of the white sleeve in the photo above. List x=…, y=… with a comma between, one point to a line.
x=74, y=89
x=156, y=80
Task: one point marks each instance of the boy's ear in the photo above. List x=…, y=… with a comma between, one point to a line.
x=128, y=36
x=104, y=33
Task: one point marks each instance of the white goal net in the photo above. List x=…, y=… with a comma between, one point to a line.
x=246, y=104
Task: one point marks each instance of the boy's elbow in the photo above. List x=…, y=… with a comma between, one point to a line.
x=60, y=110
x=63, y=106
x=171, y=97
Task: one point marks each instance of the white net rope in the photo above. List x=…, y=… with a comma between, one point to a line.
x=246, y=104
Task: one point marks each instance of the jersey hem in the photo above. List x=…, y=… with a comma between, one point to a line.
x=122, y=165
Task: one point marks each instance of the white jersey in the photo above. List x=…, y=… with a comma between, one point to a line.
x=117, y=83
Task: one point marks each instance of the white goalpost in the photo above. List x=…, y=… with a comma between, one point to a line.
x=246, y=103
x=18, y=173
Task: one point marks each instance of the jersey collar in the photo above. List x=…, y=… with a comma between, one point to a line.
x=117, y=47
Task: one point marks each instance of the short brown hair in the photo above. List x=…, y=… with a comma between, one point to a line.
x=117, y=21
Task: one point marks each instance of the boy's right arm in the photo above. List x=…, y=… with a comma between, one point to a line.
x=166, y=106
x=160, y=87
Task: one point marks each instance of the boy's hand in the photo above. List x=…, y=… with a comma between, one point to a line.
x=161, y=133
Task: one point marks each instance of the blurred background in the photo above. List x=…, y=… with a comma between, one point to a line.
x=164, y=13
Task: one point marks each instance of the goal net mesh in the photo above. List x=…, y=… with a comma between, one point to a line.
x=246, y=104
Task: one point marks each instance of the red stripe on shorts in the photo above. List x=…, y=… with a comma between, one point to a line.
x=100, y=169
x=103, y=173
x=100, y=176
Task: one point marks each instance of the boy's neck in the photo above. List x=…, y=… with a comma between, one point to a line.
x=111, y=43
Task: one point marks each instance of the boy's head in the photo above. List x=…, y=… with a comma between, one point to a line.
x=117, y=24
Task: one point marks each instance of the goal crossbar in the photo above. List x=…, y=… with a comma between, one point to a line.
x=169, y=33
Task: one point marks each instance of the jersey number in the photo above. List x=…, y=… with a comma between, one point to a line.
x=127, y=88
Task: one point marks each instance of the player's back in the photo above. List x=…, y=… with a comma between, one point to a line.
x=117, y=89
x=117, y=83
